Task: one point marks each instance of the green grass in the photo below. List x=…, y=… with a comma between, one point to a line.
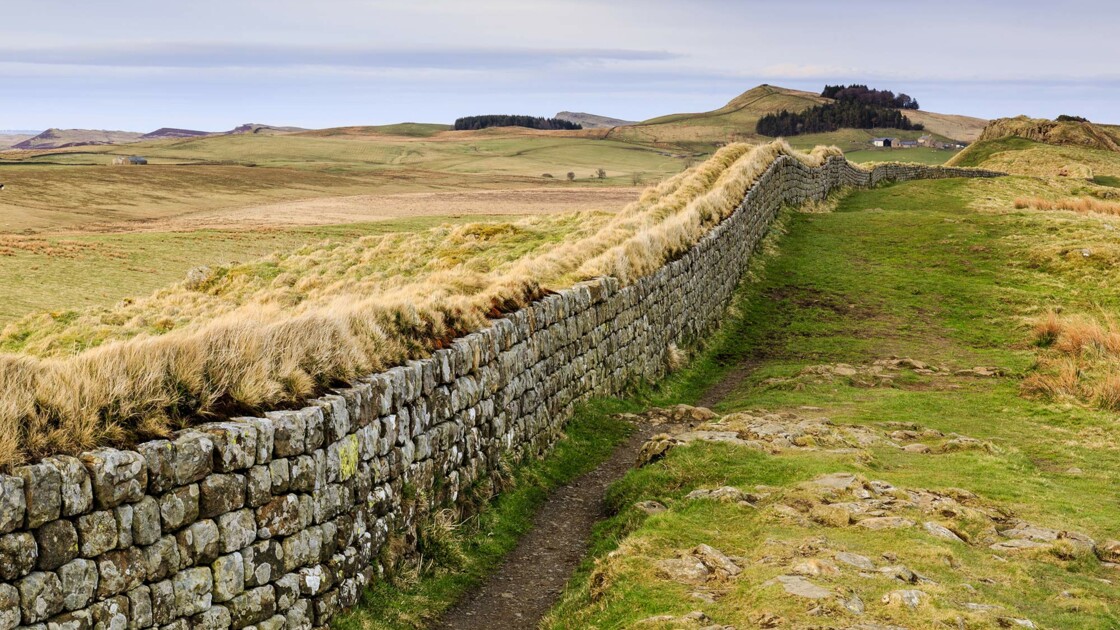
x=907, y=270
x=478, y=545
x=921, y=155
x=976, y=154
x=1107, y=180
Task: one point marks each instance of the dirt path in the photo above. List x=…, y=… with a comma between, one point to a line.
x=526, y=586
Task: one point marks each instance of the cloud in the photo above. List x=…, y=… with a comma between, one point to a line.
x=228, y=55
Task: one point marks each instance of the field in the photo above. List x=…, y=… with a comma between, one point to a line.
x=1027, y=157
x=919, y=271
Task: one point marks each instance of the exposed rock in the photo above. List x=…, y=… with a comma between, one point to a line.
x=856, y=560
x=686, y=570
x=650, y=507
x=1019, y=544
x=814, y=567
x=1109, y=551
x=910, y=598
x=940, y=531
x=800, y=587
x=832, y=515
x=726, y=494
x=717, y=562
x=854, y=605
x=654, y=449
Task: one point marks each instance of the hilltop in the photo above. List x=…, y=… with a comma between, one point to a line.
x=61, y=138
x=593, y=121
x=738, y=119
x=164, y=133
x=1047, y=148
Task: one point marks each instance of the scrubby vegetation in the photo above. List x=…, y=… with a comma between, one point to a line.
x=851, y=114
x=863, y=94
x=471, y=123
x=274, y=330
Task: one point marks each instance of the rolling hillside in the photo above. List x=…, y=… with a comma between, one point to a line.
x=592, y=121
x=736, y=121
x=1046, y=148
x=61, y=138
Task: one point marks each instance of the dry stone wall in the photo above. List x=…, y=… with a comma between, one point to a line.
x=281, y=521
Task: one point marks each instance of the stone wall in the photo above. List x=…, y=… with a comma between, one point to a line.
x=281, y=521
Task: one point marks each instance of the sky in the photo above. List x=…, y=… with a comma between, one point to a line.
x=214, y=64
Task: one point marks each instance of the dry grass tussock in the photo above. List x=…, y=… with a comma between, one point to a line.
x=1074, y=204
x=275, y=330
x=1080, y=359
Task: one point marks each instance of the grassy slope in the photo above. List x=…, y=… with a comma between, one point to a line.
x=906, y=270
x=1027, y=157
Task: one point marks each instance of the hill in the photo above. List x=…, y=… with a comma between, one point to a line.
x=61, y=138
x=259, y=129
x=592, y=121
x=1046, y=148
x=8, y=137
x=165, y=133
x=1072, y=133
x=738, y=119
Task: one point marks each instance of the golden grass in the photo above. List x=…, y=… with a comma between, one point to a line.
x=1074, y=204
x=275, y=330
x=1080, y=359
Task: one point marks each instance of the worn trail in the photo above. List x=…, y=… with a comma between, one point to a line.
x=532, y=577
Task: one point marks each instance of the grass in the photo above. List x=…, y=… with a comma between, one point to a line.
x=1036, y=159
x=920, y=155
x=37, y=273
x=934, y=270
x=414, y=597
x=1111, y=181
x=274, y=330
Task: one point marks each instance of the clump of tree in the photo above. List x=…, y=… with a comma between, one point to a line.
x=471, y=123
x=1067, y=118
x=867, y=96
x=833, y=116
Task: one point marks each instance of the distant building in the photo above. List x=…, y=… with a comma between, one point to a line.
x=881, y=142
x=907, y=144
x=927, y=141
x=132, y=160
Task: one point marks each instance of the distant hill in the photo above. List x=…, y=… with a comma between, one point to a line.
x=164, y=133
x=267, y=130
x=737, y=120
x=61, y=138
x=592, y=121
x=8, y=137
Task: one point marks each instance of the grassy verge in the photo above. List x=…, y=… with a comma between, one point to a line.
x=910, y=270
x=460, y=559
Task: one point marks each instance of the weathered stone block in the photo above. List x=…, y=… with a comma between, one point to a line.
x=97, y=533
x=278, y=472
x=235, y=445
x=139, y=607
x=221, y=494
x=289, y=433
x=264, y=562
x=77, y=492
x=161, y=558
x=199, y=543
x=179, y=507
x=110, y=613
x=116, y=476
x=299, y=615
x=40, y=596
x=193, y=457
x=193, y=589
x=236, y=530
x=163, y=601
x=42, y=488
x=287, y=590
x=252, y=606
x=229, y=577
x=146, y=528
x=258, y=486
x=119, y=571
x=213, y=618
x=10, y=613
x=279, y=517
x=13, y=503
x=58, y=544
x=79, y=583
x=18, y=554
x=123, y=516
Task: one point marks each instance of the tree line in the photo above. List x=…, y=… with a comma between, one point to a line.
x=849, y=114
x=471, y=123
x=863, y=94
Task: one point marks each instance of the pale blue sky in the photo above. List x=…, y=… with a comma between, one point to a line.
x=213, y=64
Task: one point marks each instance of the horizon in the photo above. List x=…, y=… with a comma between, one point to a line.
x=96, y=67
